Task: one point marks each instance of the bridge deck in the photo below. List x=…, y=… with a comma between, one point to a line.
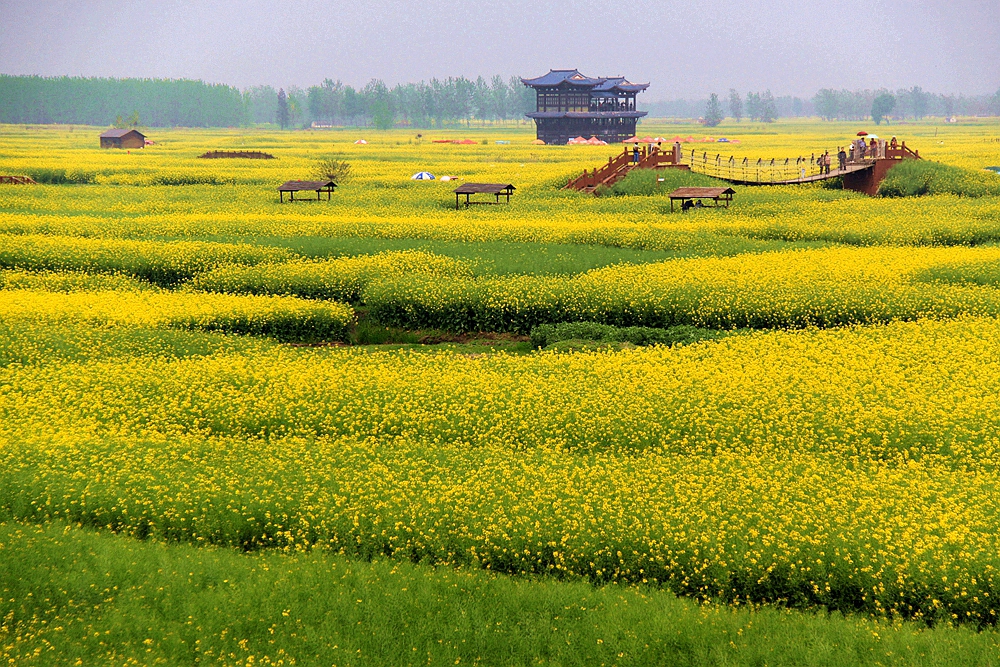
x=834, y=173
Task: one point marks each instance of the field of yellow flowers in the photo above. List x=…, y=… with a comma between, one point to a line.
x=839, y=450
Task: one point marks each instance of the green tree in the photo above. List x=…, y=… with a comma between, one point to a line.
x=382, y=117
x=882, y=106
x=333, y=169
x=919, y=101
x=378, y=103
x=753, y=106
x=713, y=111
x=768, y=109
x=261, y=104
x=735, y=105
x=826, y=103
x=284, y=117
x=297, y=106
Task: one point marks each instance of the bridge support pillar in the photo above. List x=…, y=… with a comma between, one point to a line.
x=868, y=180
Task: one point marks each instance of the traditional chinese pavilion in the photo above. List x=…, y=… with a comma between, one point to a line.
x=570, y=104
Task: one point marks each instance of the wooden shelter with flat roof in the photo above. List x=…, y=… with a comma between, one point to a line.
x=686, y=195
x=123, y=138
x=291, y=187
x=496, y=189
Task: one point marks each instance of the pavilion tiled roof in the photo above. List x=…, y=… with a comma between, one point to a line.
x=573, y=77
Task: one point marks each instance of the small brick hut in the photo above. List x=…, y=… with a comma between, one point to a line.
x=123, y=138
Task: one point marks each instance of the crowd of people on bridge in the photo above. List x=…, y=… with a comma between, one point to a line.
x=859, y=154
x=861, y=148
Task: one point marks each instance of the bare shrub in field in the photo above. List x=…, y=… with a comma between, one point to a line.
x=333, y=169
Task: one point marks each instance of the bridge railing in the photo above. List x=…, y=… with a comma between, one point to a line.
x=774, y=170
x=596, y=176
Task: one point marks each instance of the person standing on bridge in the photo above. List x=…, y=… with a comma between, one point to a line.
x=826, y=163
x=635, y=154
x=842, y=158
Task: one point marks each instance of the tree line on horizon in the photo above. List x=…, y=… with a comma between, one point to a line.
x=829, y=104
x=186, y=103
x=435, y=103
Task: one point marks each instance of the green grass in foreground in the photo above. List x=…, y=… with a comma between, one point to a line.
x=511, y=258
x=912, y=178
x=70, y=596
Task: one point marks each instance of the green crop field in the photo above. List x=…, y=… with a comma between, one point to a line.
x=571, y=430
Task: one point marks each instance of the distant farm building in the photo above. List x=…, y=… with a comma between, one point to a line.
x=123, y=138
x=569, y=104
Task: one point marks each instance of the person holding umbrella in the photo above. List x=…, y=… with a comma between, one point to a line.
x=860, y=147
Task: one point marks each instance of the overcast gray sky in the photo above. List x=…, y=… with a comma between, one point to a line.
x=685, y=49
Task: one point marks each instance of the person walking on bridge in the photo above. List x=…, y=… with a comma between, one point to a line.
x=842, y=158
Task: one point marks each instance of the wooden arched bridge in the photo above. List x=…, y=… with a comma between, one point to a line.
x=862, y=173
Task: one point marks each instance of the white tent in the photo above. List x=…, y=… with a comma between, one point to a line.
x=422, y=176
x=361, y=141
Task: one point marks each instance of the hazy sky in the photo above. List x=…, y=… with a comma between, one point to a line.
x=685, y=49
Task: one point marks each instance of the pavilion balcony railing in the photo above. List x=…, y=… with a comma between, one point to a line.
x=612, y=107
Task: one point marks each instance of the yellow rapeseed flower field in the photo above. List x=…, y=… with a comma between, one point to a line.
x=287, y=318
x=854, y=468
x=840, y=452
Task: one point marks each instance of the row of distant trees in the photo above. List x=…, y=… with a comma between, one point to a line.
x=35, y=99
x=879, y=105
x=755, y=106
x=164, y=103
x=904, y=103
x=760, y=107
x=420, y=104
x=438, y=102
